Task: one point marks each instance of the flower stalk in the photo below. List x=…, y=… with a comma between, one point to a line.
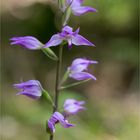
x=58, y=74
x=51, y=137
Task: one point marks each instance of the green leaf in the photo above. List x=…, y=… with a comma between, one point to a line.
x=50, y=53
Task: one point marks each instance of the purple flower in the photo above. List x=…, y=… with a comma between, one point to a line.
x=72, y=106
x=77, y=8
x=79, y=67
x=55, y=118
x=31, y=88
x=28, y=42
x=68, y=35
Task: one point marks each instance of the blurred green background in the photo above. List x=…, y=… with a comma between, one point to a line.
x=111, y=101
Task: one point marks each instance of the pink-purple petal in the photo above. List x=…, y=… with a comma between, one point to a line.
x=28, y=42
x=78, y=61
x=68, y=35
x=80, y=40
x=54, y=41
x=80, y=64
x=69, y=43
x=82, y=76
x=77, y=31
x=31, y=88
x=62, y=120
x=77, y=8
x=67, y=29
x=33, y=95
x=79, y=67
x=75, y=3
x=81, y=103
x=82, y=10
x=58, y=118
x=51, y=126
x=72, y=106
x=27, y=83
x=73, y=109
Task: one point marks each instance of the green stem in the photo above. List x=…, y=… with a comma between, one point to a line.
x=58, y=74
x=51, y=137
x=57, y=87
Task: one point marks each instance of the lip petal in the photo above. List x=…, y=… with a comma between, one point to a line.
x=69, y=43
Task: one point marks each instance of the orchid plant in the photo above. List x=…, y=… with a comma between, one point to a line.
x=78, y=70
